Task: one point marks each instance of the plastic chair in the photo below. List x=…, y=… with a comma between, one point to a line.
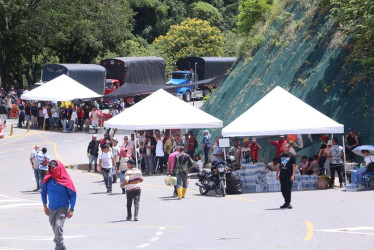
x=367, y=177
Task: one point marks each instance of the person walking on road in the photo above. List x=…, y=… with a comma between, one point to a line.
x=93, y=153
x=132, y=182
x=182, y=164
x=106, y=163
x=43, y=163
x=286, y=174
x=170, y=167
x=122, y=168
x=59, y=188
x=35, y=166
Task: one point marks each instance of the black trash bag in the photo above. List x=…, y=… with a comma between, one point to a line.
x=233, y=183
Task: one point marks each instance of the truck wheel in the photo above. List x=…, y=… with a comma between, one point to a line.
x=206, y=93
x=187, y=96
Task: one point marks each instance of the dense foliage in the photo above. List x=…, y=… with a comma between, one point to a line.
x=250, y=12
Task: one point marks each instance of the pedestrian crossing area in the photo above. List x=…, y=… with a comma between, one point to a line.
x=8, y=202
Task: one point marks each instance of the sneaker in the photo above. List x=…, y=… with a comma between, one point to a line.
x=136, y=218
x=289, y=206
x=284, y=205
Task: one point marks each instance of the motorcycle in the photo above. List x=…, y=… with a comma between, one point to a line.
x=216, y=178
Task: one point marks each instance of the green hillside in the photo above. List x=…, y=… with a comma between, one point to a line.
x=305, y=53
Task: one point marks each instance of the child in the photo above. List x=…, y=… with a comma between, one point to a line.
x=304, y=164
x=199, y=163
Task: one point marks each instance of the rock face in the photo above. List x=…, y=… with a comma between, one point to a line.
x=306, y=54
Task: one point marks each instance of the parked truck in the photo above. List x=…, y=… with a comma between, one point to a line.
x=197, y=75
x=90, y=75
x=134, y=70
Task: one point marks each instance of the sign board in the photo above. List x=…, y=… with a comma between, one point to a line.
x=224, y=142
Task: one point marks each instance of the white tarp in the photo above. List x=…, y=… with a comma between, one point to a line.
x=280, y=112
x=162, y=110
x=62, y=88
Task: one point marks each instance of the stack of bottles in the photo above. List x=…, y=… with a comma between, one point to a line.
x=256, y=179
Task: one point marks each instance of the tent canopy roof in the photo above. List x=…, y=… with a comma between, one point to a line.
x=162, y=110
x=62, y=88
x=280, y=112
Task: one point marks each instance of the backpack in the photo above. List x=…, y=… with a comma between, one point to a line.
x=45, y=161
x=195, y=144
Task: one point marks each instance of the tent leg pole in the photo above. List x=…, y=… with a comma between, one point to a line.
x=345, y=168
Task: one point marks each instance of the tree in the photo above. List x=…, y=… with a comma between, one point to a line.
x=250, y=11
x=206, y=11
x=192, y=37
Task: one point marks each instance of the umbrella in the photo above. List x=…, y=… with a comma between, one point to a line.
x=357, y=150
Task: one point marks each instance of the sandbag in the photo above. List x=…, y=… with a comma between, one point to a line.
x=234, y=184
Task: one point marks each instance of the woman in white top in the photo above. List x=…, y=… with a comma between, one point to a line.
x=369, y=159
x=159, y=152
x=73, y=119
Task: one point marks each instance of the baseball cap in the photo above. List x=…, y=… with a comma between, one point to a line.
x=94, y=135
x=205, y=131
x=329, y=142
x=131, y=161
x=350, y=129
x=324, y=137
x=254, y=139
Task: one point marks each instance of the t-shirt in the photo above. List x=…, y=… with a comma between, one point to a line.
x=272, y=166
x=254, y=151
x=191, y=141
x=286, y=164
x=217, y=150
x=40, y=156
x=34, y=111
x=168, y=146
x=45, y=113
x=106, y=159
x=336, y=152
x=134, y=177
x=56, y=114
x=115, y=152
x=74, y=115
x=245, y=154
x=278, y=146
x=368, y=159
x=235, y=152
x=95, y=115
x=34, y=158
x=304, y=165
x=172, y=159
x=159, y=149
x=200, y=164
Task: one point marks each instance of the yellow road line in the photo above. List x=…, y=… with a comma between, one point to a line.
x=11, y=136
x=24, y=136
x=310, y=230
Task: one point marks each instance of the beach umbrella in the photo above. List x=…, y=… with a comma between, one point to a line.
x=357, y=150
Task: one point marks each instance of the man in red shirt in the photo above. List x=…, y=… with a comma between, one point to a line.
x=279, y=144
x=191, y=144
x=80, y=118
x=254, y=150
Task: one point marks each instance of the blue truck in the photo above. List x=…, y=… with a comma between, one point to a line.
x=197, y=75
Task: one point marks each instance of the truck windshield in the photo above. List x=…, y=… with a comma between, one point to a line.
x=108, y=85
x=180, y=76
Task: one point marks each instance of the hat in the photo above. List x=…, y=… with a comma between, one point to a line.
x=205, y=131
x=350, y=129
x=254, y=139
x=131, y=161
x=94, y=136
x=324, y=137
x=329, y=142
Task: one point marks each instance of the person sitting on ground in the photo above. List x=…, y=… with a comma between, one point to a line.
x=304, y=165
x=314, y=165
x=272, y=166
x=369, y=160
x=199, y=163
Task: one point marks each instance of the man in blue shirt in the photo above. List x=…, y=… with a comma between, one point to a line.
x=60, y=189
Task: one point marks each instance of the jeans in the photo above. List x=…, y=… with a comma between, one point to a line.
x=286, y=186
x=87, y=122
x=54, y=121
x=360, y=174
x=322, y=165
x=57, y=219
x=71, y=126
x=133, y=195
x=107, y=174
x=28, y=118
x=95, y=124
x=206, y=154
x=64, y=122
x=121, y=176
x=37, y=178
x=8, y=112
x=90, y=160
x=148, y=160
x=182, y=179
x=337, y=168
x=42, y=174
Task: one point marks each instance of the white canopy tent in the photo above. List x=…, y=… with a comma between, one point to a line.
x=275, y=114
x=162, y=110
x=62, y=88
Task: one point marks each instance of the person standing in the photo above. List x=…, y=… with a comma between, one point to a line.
x=106, y=163
x=321, y=155
x=132, y=182
x=55, y=117
x=35, y=166
x=64, y=119
x=206, y=146
x=3, y=113
x=286, y=174
x=115, y=151
x=351, y=141
x=170, y=167
x=86, y=117
x=46, y=117
x=43, y=163
x=8, y=104
x=254, y=150
x=95, y=115
x=234, y=151
x=192, y=144
x=279, y=144
x=93, y=153
x=168, y=146
x=21, y=116
x=80, y=118
x=159, y=152
x=148, y=154
x=73, y=119
x=27, y=113
x=182, y=164
x=34, y=115
x=122, y=168
x=245, y=152
x=217, y=151
x=59, y=188
x=335, y=154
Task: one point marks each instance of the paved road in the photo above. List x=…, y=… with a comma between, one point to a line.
x=332, y=219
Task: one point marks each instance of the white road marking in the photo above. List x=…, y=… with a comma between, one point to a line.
x=17, y=202
x=66, y=141
x=159, y=233
x=39, y=237
x=20, y=205
x=352, y=230
x=143, y=245
x=154, y=239
x=162, y=228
